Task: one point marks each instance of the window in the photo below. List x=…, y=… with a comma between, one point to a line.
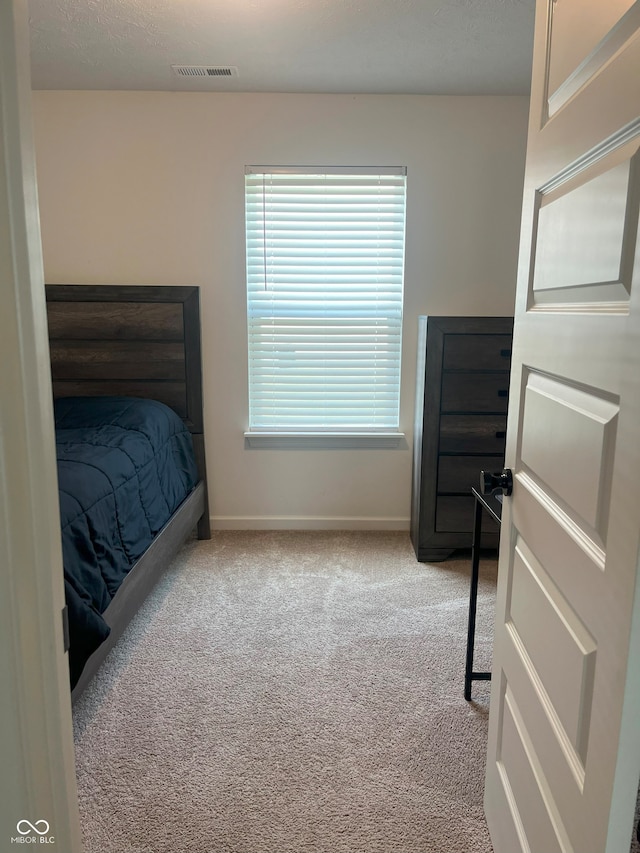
x=325, y=263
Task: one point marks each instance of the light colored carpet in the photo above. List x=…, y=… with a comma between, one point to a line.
x=291, y=692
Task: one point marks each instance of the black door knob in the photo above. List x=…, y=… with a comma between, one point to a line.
x=492, y=483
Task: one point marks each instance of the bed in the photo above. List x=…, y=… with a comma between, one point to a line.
x=127, y=386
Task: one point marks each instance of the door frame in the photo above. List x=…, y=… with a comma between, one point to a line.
x=38, y=775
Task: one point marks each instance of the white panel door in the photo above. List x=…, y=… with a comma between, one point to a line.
x=564, y=753
x=37, y=772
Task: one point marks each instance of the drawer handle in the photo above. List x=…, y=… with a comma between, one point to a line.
x=505, y=353
x=503, y=393
x=501, y=433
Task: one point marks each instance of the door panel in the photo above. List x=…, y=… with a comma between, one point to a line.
x=575, y=35
x=564, y=654
x=581, y=44
x=535, y=826
x=563, y=763
x=559, y=768
x=567, y=444
x=584, y=233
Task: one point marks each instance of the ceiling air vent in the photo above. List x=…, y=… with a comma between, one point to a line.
x=205, y=70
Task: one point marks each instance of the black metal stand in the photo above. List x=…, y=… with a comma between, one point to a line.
x=493, y=505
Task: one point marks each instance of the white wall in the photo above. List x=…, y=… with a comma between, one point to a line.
x=147, y=188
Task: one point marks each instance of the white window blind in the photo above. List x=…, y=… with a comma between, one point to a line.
x=325, y=265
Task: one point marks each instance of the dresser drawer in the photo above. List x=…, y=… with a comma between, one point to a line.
x=475, y=392
x=473, y=434
x=455, y=515
x=459, y=473
x=483, y=352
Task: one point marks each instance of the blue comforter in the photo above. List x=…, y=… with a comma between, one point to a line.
x=124, y=466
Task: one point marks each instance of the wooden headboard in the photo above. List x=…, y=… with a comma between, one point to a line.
x=112, y=340
x=130, y=341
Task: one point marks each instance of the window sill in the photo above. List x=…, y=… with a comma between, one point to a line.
x=324, y=440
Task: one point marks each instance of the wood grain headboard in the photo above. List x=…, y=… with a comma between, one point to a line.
x=113, y=340
x=130, y=341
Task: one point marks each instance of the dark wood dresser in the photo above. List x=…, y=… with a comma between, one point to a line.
x=460, y=427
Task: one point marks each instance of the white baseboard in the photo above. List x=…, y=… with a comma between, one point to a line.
x=306, y=522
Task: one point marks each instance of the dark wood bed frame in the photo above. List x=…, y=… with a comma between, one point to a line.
x=136, y=342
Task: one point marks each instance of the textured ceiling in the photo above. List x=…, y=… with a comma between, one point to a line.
x=353, y=46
